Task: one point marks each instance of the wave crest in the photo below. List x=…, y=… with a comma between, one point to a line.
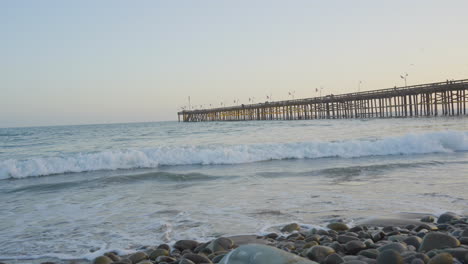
x=436, y=142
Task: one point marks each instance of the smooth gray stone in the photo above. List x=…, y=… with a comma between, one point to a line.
x=369, y=253
x=459, y=253
x=353, y=247
x=398, y=247
x=186, y=244
x=290, y=228
x=447, y=217
x=102, y=260
x=220, y=244
x=442, y=258
x=333, y=259
x=138, y=256
x=261, y=254
x=437, y=240
x=319, y=253
x=389, y=257
x=414, y=241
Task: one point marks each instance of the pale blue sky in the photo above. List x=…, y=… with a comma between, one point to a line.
x=79, y=62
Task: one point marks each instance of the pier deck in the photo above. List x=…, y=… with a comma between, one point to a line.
x=433, y=99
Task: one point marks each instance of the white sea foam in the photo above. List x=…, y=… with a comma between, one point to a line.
x=435, y=142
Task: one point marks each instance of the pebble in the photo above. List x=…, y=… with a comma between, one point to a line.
x=389, y=257
x=137, y=257
x=290, y=228
x=353, y=247
x=411, y=242
x=442, y=258
x=186, y=244
x=395, y=246
x=319, y=253
x=438, y=240
x=447, y=217
x=103, y=260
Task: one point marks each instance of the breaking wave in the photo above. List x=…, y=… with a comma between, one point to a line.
x=435, y=142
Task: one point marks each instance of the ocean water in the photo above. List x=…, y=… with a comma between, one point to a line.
x=77, y=191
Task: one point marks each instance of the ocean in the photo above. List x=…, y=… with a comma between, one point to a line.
x=74, y=192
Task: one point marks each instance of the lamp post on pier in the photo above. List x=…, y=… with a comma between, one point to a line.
x=404, y=77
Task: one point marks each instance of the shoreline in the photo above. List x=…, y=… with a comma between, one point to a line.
x=409, y=237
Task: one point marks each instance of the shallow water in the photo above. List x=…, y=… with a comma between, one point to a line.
x=66, y=191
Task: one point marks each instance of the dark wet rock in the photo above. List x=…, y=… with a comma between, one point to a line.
x=417, y=261
x=272, y=235
x=337, y=247
x=103, y=260
x=356, y=229
x=291, y=228
x=343, y=239
x=438, y=240
x=112, y=256
x=364, y=235
x=397, y=238
x=322, y=232
x=427, y=226
x=447, y=217
x=295, y=236
x=319, y=253
x=389, y=257
x=353, y=247
x=414, y=241
x=218, y=258
x=333, y=259
x=314, y=237
x=220, y=244
x=442, y=258
x=389, y=229
x=464, y=240
x=137, y=257
x=377, y=236
x=123, y=261
x=371, y=253
x=464, y=233
x=261, y=254
x=197, y=259
x=186, y=244
x=164, y=246
x=428, y=219
x=459, y=253
x=206, y=251
x=158, y=252
x=145, y=262
x=395, y=246
x=338, y=226
x=186, y=261
x=310, y=244
x=356, y=261
x=165, y=259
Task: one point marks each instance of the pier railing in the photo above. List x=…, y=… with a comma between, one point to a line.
x=440, y=98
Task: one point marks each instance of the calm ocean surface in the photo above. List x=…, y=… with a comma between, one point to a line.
x=70, y=190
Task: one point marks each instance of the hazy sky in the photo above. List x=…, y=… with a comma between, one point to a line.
x=78, y=62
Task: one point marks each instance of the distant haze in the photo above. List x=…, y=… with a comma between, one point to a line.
x=81, y=62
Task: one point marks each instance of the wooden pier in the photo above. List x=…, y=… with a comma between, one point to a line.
x=433, y=99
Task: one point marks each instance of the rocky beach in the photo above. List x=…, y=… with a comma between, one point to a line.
x=302, y=192
x=412, y=239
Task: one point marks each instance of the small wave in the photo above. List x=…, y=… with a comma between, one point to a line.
x=119, y=179
x=436, y=142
